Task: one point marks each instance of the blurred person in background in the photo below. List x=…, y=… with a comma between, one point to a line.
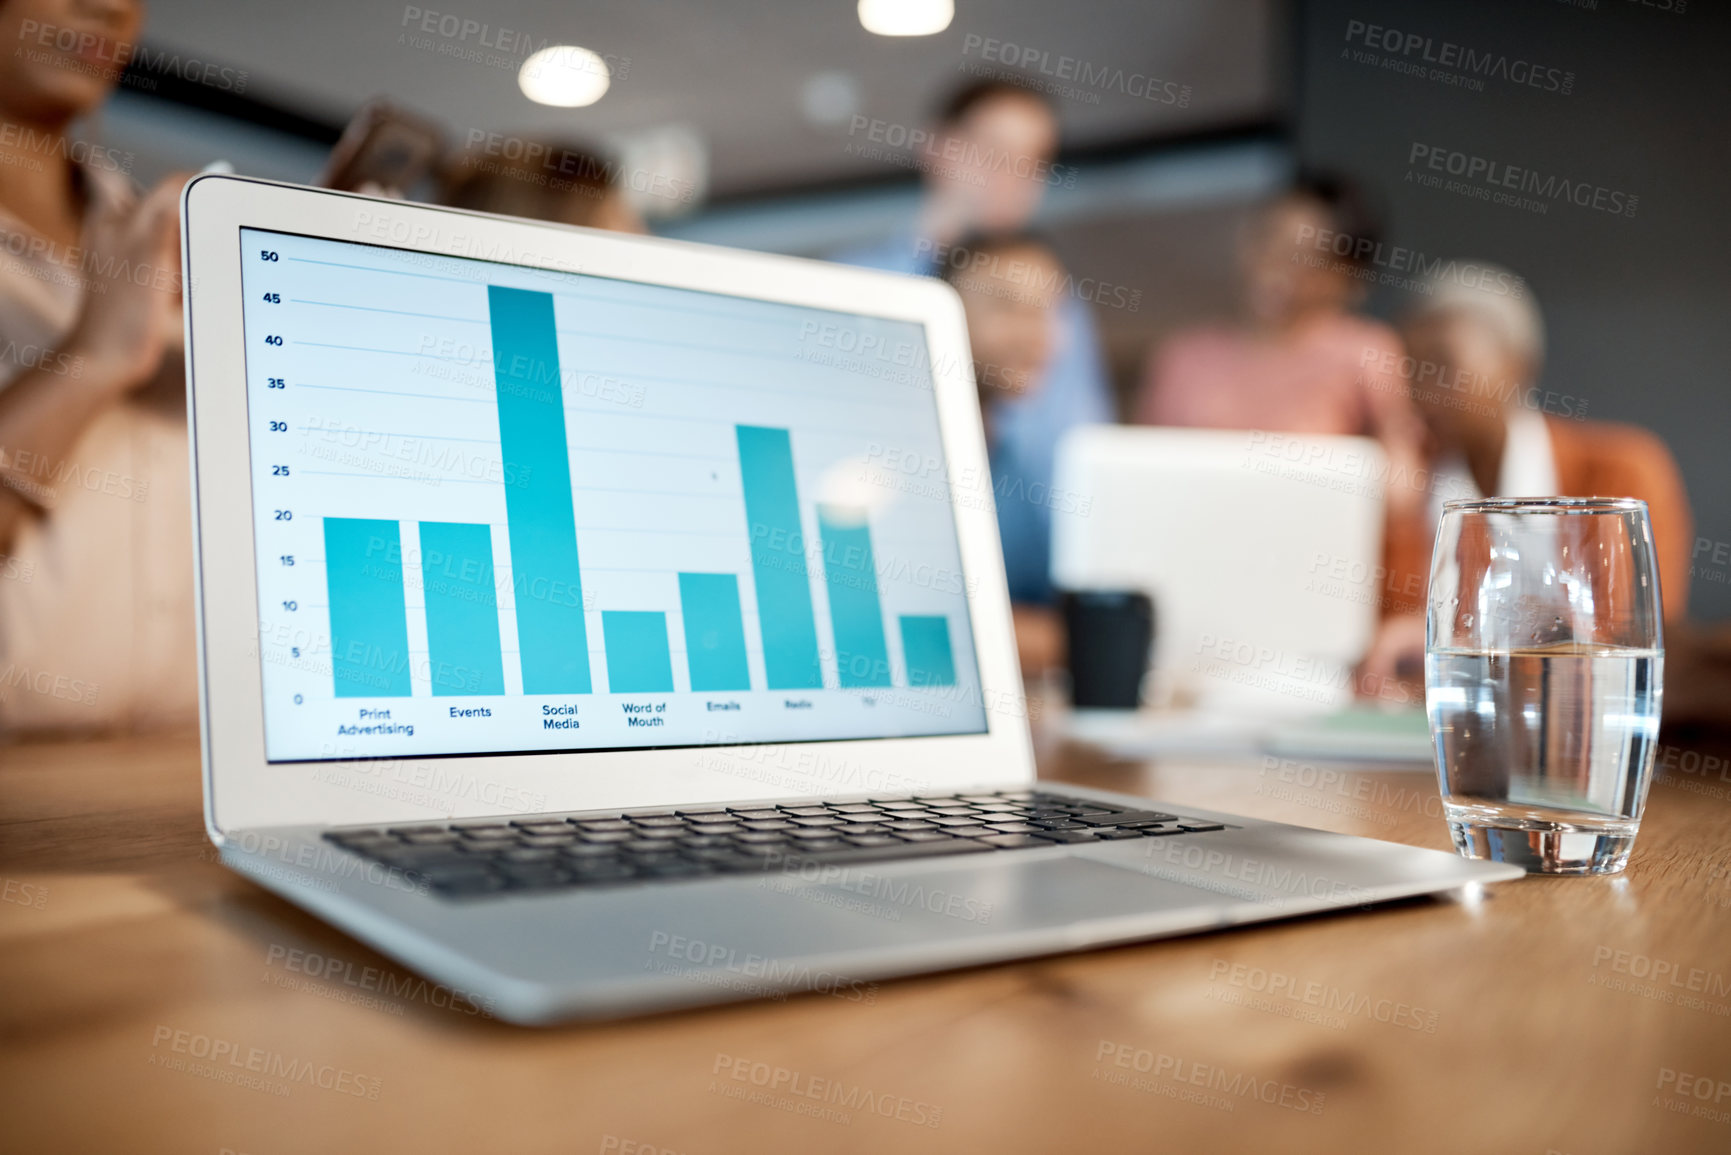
x=564, y=183
x=986, y=169
x=1477, y=350
x=1011, y=290
x=96, y=590
x=1299, y=360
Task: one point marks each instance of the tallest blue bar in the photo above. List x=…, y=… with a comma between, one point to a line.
x=784, y=614
x=552, y=644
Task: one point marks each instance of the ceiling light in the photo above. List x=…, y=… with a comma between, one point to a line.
x=906, y=17
x=564, y=76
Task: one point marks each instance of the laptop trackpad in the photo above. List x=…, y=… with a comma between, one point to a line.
x=1006, y=895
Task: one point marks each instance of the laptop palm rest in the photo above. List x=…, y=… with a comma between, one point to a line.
x=1007, y=895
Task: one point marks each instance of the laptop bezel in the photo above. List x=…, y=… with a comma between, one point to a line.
x=244, y=790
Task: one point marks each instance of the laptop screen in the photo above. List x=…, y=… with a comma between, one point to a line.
x=500, y=508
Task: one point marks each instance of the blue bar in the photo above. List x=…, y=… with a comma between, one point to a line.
x=462, y=609
x=926, y=643
x=861, y=654
x=784, y=612
x=637, y=657
x=714, y=631
x=369, y=625
x=552, y=643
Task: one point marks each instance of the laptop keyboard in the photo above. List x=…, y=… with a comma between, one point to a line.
x=485, y=857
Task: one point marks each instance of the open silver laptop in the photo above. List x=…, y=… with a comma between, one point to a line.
x=600, y=624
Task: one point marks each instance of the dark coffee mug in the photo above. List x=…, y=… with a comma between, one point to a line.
x=1111, y=635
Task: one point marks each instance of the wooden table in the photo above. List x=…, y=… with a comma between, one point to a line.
x=1526, y=1020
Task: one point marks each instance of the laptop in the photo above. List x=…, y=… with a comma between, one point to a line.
x=1260, y=630
x=1266, y=620
x=601, y=625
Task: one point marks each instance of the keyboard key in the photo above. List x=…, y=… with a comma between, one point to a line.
x=1056, y=824
x=713, y=854
x=1114, y=832
x=442, y=872
x=762, y=825
x=529, y=854
x=814, y=844
x=662, y=833
x=924, y=835
x=818, y=822
x=713, y=815
x=822, y=833
x=954, y=811
x=476, y=827
x=1195, y=826
x=703, y=841
x=565, y=839
x=1125, y=818
x=872, y=840
x=537, y=880
x=859, y=828
x=607, y=836
x=601, y=824
x=417, y=857
x=602, y=872
x=1065, y=836
x=953, y=821
x=658, y=820
x=1014, y=841
x=909, y=824
x=716, y=827
x=1012, y=827
x=432, y=837
x=901, y=850
x=756, y=837
x=806, y=811
x=461, y=886
x=756, y=814
x=674, y=868
x=854, y=808
x=595, y=850
x=402, y=830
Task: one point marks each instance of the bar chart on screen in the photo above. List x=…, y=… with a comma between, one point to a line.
x=501, y=508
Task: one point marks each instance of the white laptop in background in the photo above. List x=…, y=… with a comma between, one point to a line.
x=599, y=624
x=1262, y=553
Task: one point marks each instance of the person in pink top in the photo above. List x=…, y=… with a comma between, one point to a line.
x=1299, y=360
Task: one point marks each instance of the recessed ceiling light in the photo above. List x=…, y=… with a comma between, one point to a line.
x=906, y=17
x=564, y=76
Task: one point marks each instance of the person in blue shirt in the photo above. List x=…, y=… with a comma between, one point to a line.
x=985, y=166
x=1011, y=288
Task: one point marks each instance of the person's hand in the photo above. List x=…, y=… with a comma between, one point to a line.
x=131, y=312
x=1395, y=660
x=1039, y=638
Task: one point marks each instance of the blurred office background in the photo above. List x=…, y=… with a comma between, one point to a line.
x=787, y=121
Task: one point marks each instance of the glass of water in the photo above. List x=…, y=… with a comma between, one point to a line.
x=1544, y=665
